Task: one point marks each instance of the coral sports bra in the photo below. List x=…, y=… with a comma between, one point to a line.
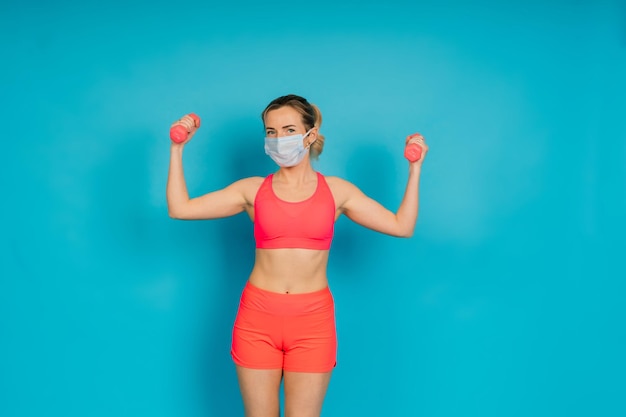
x=306, y=224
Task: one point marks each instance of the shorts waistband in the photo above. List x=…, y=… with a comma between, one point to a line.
x=293, y=304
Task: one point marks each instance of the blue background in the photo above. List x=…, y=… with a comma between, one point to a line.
x=509, y=299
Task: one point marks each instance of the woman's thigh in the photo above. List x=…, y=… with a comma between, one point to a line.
x=304, y=393
x=259, y=391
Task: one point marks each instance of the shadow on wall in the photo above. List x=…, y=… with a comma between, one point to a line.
x=357, y=250
x=121, y=204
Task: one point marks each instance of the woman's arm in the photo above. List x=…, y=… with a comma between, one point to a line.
x=222, y=203
x=367, y=212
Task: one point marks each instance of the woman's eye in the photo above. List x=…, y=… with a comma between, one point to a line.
x=291, y=130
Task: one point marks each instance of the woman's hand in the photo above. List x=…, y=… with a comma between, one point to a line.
x=189, y=124
x=419, y=140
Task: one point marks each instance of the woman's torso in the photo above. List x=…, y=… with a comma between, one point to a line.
x=289, y=270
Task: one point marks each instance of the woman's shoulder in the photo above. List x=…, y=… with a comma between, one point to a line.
x=341, y=189
x=248, y=187
x=336, y=182
x=249, y=182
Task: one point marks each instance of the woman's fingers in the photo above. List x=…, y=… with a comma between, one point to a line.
x=186, y=121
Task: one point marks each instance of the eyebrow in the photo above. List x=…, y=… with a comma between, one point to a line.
x=284, y=127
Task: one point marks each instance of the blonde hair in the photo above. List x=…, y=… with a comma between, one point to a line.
x=311, y=117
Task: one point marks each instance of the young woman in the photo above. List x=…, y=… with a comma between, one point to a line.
x=285, y=326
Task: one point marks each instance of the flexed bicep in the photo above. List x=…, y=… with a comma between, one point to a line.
x=369, y=213
x=364, y=210
x=226, y=202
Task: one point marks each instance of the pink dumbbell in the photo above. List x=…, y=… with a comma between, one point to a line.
x=179, y=133
x=412, y=151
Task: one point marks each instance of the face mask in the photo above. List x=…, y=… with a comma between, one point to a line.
x=287, y=151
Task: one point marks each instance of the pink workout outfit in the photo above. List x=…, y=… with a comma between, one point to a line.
x=293, y=332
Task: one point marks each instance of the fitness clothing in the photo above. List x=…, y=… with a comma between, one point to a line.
x=295, y=332
x=304, y=224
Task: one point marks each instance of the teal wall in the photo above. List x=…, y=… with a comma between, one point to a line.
x=509, y=299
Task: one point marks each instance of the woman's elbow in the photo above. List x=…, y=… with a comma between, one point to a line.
x=176, y=213
x=406, y=232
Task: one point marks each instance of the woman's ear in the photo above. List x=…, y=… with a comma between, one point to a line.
x=311, y=137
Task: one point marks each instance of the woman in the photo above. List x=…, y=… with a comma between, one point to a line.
x=285, y=326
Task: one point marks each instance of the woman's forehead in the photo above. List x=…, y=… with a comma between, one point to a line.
x=282, y=116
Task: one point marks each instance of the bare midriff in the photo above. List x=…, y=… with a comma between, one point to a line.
x=290, y=271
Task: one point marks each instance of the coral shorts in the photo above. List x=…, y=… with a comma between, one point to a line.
x=293, y=332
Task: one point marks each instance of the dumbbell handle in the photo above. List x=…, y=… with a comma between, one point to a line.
x=179, y=133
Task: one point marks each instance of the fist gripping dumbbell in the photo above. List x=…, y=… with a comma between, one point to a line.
x=179, y=133
x=412, y=151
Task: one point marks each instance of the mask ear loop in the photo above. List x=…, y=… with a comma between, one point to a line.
x=310, y=143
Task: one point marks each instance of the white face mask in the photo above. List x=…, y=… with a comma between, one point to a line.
x=287, y=151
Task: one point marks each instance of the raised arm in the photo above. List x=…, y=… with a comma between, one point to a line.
x=369, y=213
x=222, y=203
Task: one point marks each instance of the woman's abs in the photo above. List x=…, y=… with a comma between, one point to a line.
x=290, y=271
